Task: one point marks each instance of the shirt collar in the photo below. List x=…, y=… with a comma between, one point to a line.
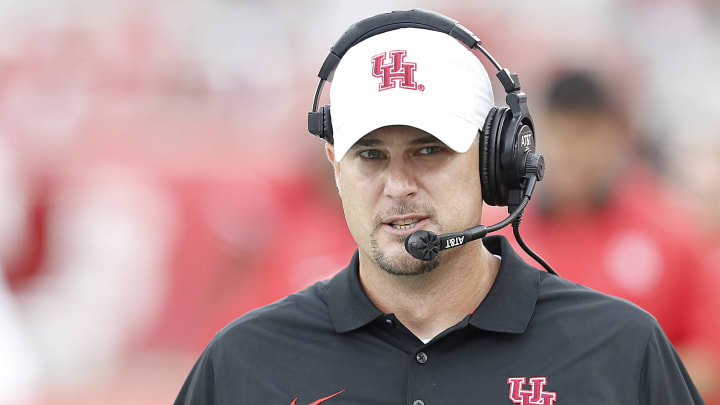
x=508, y=306
x=349, y=306
x=510, y=303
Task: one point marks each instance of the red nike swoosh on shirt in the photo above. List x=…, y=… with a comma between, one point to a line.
x=321, y=399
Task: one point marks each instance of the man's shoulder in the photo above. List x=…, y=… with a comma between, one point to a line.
x=593, y=308
x=306, y=309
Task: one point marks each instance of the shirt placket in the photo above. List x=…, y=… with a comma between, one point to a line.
x=420, y=377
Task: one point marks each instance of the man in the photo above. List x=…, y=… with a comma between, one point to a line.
x=474, y=325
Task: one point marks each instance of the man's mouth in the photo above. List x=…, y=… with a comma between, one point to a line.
x=405, y=223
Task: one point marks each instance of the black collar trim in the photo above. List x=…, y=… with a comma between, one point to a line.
x=349, y=306
x=510, y=303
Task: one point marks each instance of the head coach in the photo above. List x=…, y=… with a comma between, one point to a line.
x=420, y=316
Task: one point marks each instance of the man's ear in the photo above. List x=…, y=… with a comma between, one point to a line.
x=330, y=154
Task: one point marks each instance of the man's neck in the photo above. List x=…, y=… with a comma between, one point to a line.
x=430, y=303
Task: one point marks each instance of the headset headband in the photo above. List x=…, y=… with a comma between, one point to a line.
x=415, y=18
x=381, y=23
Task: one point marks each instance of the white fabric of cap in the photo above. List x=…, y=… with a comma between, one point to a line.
x=451, y=97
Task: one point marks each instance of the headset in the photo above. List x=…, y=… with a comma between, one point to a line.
x=509, y=166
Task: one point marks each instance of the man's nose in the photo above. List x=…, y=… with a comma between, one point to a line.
x=400, y=179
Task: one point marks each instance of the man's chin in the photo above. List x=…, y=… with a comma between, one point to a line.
x=393, y=259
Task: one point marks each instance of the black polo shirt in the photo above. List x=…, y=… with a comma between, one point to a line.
x=535, y=339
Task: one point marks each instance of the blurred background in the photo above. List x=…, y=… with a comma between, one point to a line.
x=157, y=179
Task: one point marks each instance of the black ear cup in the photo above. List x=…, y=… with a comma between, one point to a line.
x=485, y=146
x=502, y=152
x=327, y=124
x=320, y=124
x=494, y=189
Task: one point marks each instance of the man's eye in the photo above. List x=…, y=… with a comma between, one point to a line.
x=429, y=150
x=371, y=154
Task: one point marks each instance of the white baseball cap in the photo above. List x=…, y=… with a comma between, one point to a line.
x=410, y=76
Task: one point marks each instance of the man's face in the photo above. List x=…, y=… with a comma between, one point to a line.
x=397, y=180
x=584, y=152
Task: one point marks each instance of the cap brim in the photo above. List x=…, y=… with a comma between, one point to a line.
x=458, y=134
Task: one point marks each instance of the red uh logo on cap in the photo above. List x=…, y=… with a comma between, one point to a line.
x=396, y=71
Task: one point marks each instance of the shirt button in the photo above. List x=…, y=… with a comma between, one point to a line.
x=418, y=402
x=421, y=358
x=389, y=322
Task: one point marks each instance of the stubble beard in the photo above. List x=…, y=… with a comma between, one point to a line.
x=403, y=264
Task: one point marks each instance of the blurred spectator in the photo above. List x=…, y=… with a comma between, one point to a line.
x=14, y=207
x=602, y=218
x=20, y=371
x=109, y=232
x=691, y=159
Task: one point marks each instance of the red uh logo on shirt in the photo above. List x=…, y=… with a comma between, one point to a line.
x=395, y=71
x=534, y=396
